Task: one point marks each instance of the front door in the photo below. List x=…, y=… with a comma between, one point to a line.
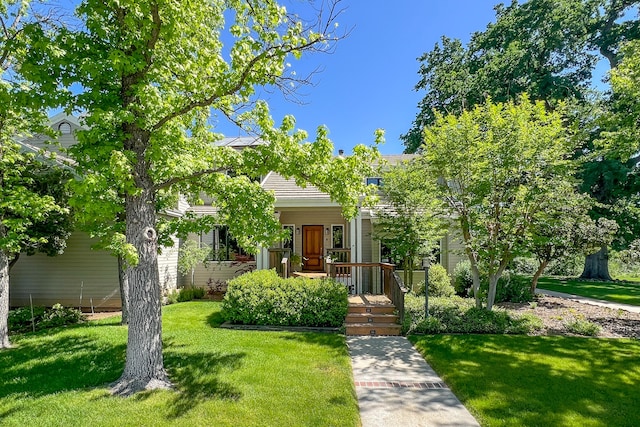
x=312, y=247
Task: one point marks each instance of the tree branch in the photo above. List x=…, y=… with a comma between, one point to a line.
x=168, y=183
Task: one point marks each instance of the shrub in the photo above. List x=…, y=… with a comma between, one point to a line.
x=19, y=320
x=462, y=279
x=189, y=294
x=439, y=283
x=583, y=327
x=263, y=298
x=524, y=266
x=459, y=315
x=510, y=288
x=568, y=266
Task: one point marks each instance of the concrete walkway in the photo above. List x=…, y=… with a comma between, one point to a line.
x=592, y=301
x=396, y=387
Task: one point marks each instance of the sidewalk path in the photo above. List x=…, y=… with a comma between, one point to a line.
x=396, y=387
x=592, y=301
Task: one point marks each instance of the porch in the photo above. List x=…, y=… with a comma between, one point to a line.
x=376, y=293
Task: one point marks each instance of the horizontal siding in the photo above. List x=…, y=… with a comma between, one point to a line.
x=60, y=279
x=215, y=272
x=455, y=251
x=367, y=242
x=168, y=266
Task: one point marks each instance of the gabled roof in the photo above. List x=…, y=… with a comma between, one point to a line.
x=288, y=189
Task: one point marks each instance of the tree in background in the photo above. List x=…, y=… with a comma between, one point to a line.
x=152, y=73
x=191, y=255
x=549, y=49
x=496, y=166
x=563, y=227
x=31, y=220
x=409, y=220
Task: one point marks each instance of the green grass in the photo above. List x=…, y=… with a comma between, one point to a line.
x=622, y=292
x=223, y=377
x=540, y=381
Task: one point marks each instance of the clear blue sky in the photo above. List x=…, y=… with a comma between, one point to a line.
x=368, y=83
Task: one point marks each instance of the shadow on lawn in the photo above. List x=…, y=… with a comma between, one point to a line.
x=197, y=377
x=336, y=342
x=589, y=378
x=35, y=368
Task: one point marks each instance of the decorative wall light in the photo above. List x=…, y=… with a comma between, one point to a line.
x=326, y=231
x=297, y=230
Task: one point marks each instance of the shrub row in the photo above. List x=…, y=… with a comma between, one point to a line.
x=263, y=298
x=459, y=315
x=19, y=320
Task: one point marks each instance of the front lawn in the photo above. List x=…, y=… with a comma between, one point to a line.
x=539, y=381
x=622, y=292
x=223, y=377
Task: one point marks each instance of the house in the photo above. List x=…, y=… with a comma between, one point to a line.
x=319, y=233
x=320, y=236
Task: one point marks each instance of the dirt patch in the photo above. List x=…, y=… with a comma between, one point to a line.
x=102, y=315
x=557, y=312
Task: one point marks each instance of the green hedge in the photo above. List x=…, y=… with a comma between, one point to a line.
x=263, y=298
x=459, y=315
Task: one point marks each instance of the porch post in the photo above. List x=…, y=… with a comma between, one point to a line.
x=359, y=275
x=262, y=259
x=353, y=226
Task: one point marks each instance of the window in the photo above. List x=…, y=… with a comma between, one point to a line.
x=375, y=181
x=288, y=243
x=337, y=236
x=223, y=246
x=64, y=128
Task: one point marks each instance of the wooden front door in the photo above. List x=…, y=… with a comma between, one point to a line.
x=312, y=248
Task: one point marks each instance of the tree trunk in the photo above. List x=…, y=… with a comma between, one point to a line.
x=596, y=266
x=475, y=275
x=124, y=290
x=4, y=300
x=536, y=276
x=493, y=287
x=144, y=366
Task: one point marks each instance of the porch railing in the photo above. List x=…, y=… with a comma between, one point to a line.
x=377, y=278
x=339, y=254
x=397, y=293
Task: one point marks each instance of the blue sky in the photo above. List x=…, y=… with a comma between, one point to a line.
x=368, y=82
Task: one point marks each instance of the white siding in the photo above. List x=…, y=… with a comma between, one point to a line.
x=168, y=266
x=51, y=280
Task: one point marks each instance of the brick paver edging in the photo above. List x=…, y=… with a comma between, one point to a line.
x=228, y=325
x=400, y=384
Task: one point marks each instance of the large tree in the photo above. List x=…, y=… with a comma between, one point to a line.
x=549, y=49
x=151, y=73
x=495, y=166
x=30, y=219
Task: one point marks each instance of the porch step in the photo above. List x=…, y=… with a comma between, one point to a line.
x=371, y=315
x=372, y=329
x=371, y=318
x=372, y=308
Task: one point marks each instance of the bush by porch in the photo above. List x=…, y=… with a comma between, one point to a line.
x=263, y=298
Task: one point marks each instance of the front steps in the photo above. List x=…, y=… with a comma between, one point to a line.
x=371, y=315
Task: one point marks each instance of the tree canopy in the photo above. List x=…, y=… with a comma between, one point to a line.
x=496, y=166
x=409, y=218
x=31, y=219
x=151, y=74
